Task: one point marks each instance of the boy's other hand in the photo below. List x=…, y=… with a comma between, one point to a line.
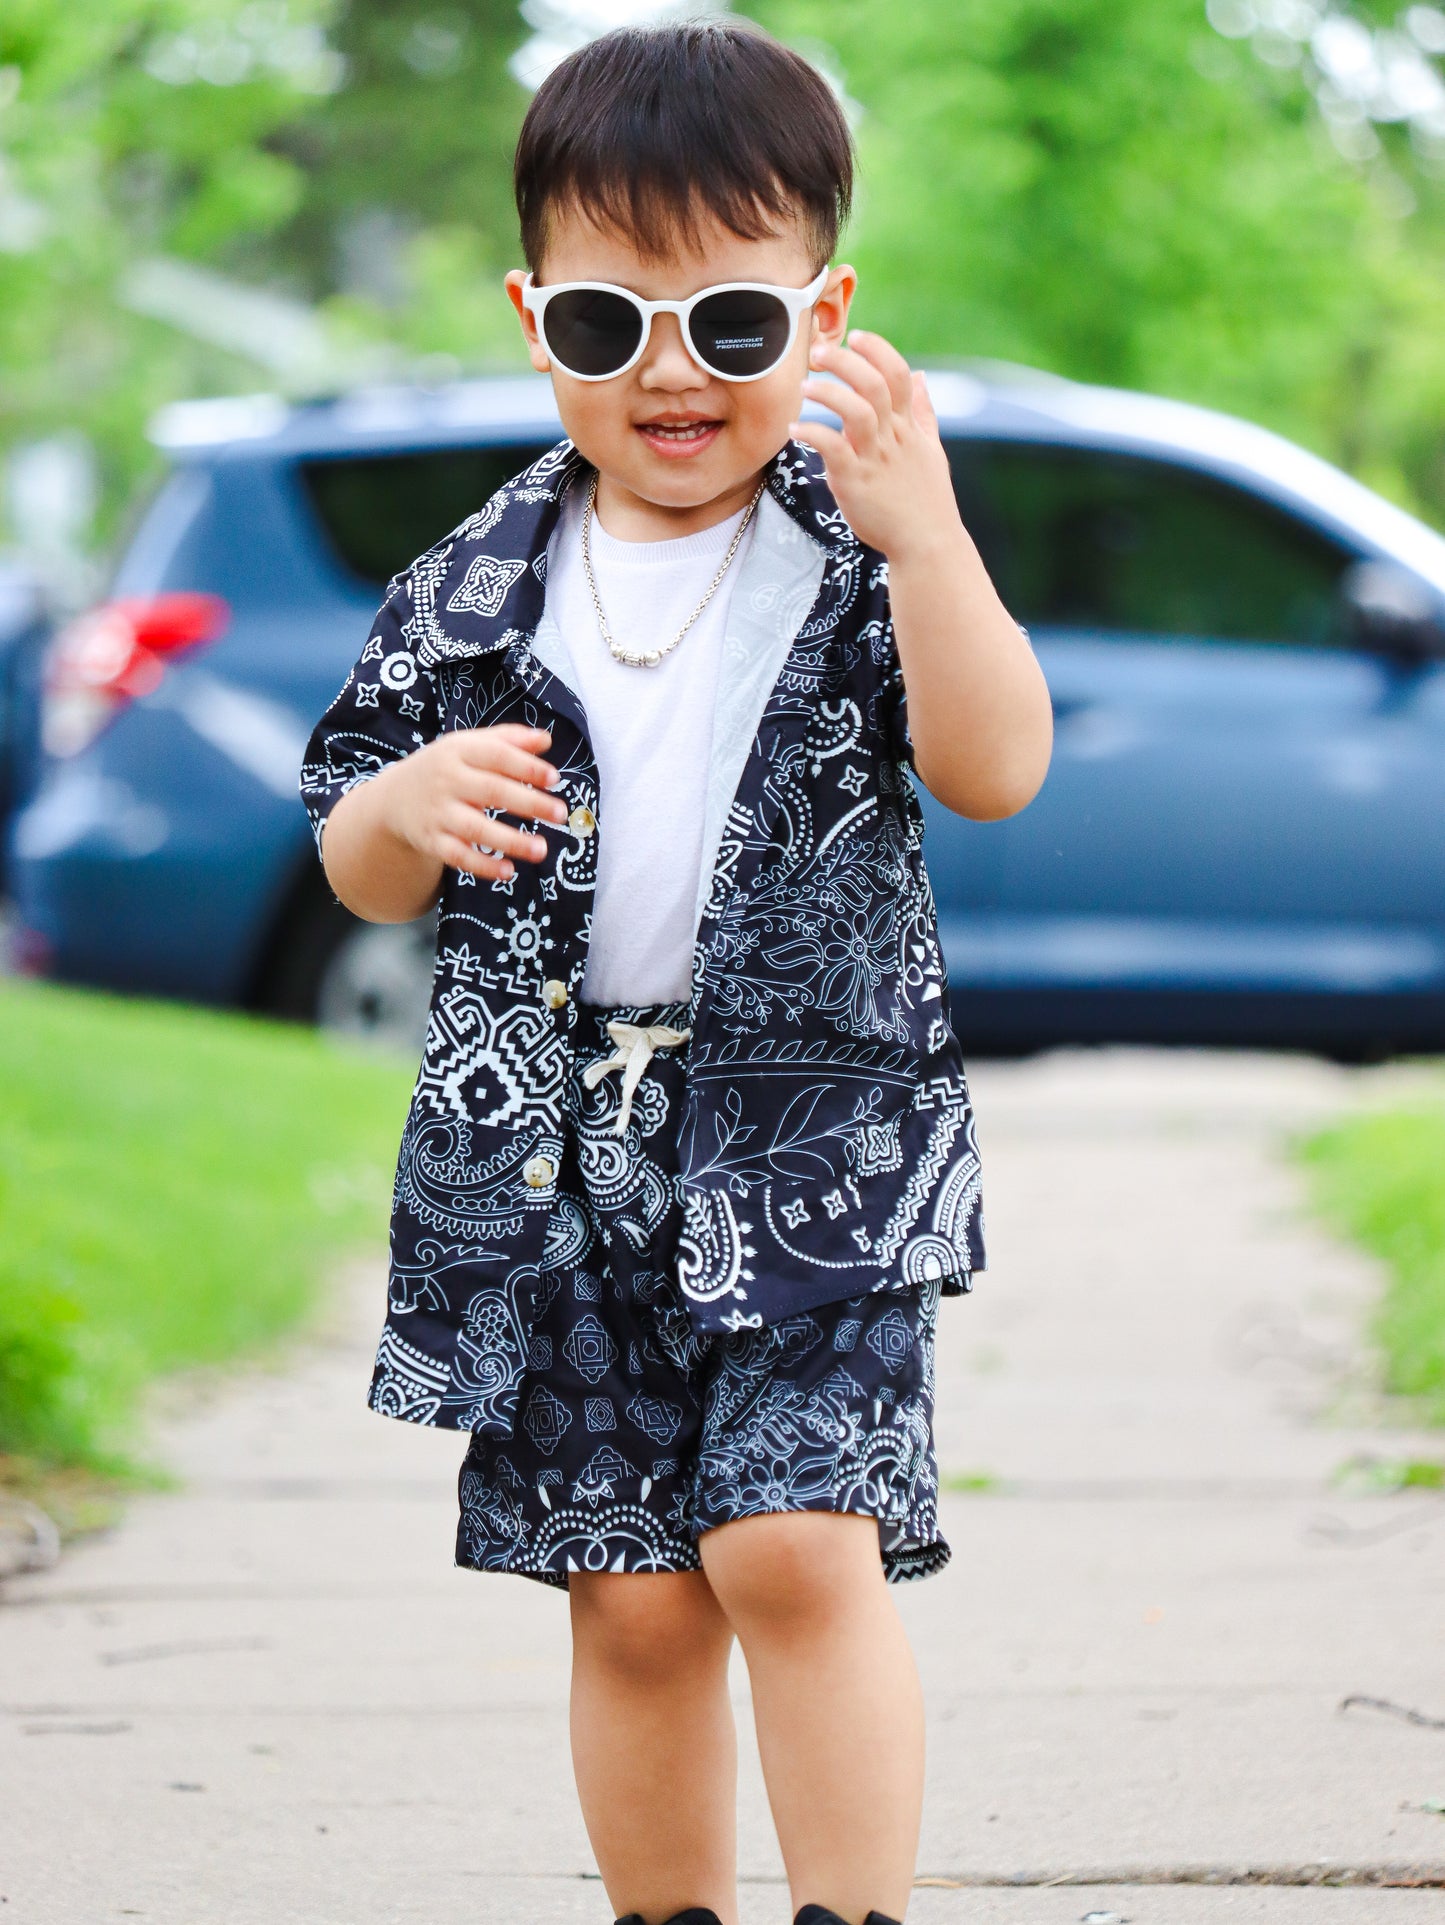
x=445, y=801
x=887, y=466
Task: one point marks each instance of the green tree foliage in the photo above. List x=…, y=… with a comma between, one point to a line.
x=1110, y=190
x=407, y=224
x=102, y=164
x=293, y=145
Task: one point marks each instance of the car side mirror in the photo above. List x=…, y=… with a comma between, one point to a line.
x=1391, y=611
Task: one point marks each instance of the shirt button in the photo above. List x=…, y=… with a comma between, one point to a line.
x=554, y=994
x=538, y=1173
x=582, y=822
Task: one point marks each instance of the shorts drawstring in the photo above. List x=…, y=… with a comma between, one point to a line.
x=635, y=1046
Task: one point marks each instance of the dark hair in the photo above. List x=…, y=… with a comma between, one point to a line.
x=647, y=128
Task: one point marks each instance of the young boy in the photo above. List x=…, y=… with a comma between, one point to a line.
x=690, y=1159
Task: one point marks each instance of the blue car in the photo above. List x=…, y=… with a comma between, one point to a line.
x=1242, y=838
x=22, y=639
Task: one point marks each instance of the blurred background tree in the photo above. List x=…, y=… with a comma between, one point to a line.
x=1238, y=202
x=407, y=222
x=1120, y=191
x=210, y=196
x=132, y=130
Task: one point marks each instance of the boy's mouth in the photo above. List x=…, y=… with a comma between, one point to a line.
x=675, y=435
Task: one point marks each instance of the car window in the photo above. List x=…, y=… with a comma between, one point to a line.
x=379, y=512
x=1080, y=538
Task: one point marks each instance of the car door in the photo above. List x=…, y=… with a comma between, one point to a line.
x=1240, y=800
x=22, y=630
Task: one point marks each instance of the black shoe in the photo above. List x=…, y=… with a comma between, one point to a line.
x=820, y=1915
x=695, y=1915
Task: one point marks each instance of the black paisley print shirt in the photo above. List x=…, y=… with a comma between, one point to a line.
x=826, y=1144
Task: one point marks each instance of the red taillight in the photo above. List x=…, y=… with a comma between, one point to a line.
x=31, y=954
x=114, y=653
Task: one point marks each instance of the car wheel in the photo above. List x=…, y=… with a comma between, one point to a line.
x=366, y=980
x=376, y=984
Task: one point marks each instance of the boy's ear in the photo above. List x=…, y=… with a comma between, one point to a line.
x=830, y=311
x=514, y=284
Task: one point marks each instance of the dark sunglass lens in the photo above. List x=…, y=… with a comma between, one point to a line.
x=741, y=333
x=591, y=331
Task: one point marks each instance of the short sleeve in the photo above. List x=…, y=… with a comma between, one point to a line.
x=895, y=708
x=895, y=703
x=389, y=705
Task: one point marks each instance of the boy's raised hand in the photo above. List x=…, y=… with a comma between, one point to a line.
x=887, y=466
x=979, y=715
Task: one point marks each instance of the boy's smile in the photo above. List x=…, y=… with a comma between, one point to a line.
x=677, y=449
x=675, y=436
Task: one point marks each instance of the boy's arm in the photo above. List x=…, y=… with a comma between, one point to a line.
x=394, y=798
x=979, y=713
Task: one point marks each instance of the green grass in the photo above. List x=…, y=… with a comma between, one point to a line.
x=1380, y=1178
x=174, y=1185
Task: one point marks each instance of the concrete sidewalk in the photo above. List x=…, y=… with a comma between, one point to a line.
x=269, y=1697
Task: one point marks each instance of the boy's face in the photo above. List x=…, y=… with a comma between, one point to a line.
x=666, y=433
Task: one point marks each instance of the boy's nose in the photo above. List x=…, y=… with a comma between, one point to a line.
x=666, y=363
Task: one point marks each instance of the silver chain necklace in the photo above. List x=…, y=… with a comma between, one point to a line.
x=652, y=656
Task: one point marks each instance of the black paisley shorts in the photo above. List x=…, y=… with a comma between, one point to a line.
x=633, y=1433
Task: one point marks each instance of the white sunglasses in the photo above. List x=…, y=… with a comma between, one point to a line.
x=738, y=331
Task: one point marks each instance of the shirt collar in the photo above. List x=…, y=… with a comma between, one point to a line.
x=483, y=588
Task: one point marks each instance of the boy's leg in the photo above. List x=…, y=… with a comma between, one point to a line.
x=836, y=1698
x=653, y=1741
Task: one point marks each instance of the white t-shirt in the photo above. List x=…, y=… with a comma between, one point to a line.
x=651, y=731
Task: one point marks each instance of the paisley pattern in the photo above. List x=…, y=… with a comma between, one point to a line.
x=825, y=1136
x=632, y=1434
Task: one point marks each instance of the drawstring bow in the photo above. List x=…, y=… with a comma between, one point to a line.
x=635, y=1046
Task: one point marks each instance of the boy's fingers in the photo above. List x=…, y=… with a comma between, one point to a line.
x=460, y=855
x=859, y=416
x=499, y=748
x=476, y=830
x=484, y=746
x=522, y=734
x=835, y=448
x=890, y=364
x=861, y=375
x=923, y=408
x=471, y=825
x=508, y=767
x=485, y=789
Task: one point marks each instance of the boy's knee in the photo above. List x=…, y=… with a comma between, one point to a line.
x=647, y=1626
x=789, y=1572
